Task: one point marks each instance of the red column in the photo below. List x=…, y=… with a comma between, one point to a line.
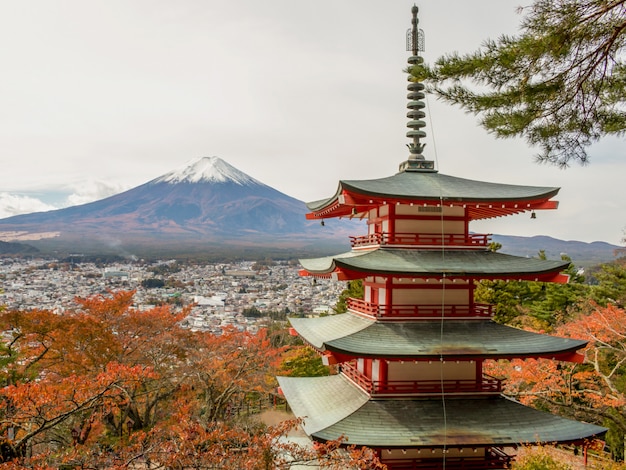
x=392, y=221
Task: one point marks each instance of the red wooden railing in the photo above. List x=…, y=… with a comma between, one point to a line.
x=422, y=239
x=488, y=385
x=491, y=461
x=395, y=312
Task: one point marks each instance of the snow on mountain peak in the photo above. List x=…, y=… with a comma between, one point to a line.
x=207, y=169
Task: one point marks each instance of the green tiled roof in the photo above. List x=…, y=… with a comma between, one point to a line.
x=331, y=407
x=435, y=186
x=336, y=401
x=351, y=334
x=436, y=262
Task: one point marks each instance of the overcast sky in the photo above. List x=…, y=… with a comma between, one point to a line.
x=99, y=96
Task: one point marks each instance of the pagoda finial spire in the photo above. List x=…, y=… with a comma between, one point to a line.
x=415, y=44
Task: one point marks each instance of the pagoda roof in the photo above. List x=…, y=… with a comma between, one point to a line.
x=332, y=407
x=352, y=335
x=435, y=263
x=483, y=199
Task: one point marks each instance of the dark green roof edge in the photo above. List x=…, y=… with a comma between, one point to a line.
x=353, y=335
x=436, y=186
x=433, y=262
x=331, y=408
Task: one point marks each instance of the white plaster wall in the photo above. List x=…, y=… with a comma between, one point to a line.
x=430, y=296
x=451, y=370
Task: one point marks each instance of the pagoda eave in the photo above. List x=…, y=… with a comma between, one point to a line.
x=421, y=423
x=332, y=356
x=347, y=336
x=437, y=264
x=337, y=355
x=336, y=274
x=481, y=199
x=343, y=274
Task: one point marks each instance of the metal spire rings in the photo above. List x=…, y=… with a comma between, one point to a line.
x=416, y=105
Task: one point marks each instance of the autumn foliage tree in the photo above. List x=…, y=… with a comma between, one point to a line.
x=302, y=361
x=109, y=386
x=92, y=371
x=594, y=391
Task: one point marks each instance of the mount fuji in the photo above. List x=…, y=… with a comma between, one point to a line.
x=206, y=205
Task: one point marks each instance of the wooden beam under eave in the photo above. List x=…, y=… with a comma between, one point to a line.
x=546, y=205
x=574, y=357
x=305, y=273
x=560, y=278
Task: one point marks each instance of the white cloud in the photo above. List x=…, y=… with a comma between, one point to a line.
x=89, y=191
x=47, y=199
x=12, y=204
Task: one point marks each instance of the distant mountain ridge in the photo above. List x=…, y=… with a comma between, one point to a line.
x=208, y=205
x=581, y=253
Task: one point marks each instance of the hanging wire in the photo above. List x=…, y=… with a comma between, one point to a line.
x=443, y=291
x=441, y=333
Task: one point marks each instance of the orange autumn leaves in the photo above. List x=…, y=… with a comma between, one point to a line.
x=107, y=370
x=110, y=386
x=586, y=390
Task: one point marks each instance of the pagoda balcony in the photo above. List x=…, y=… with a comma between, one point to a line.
x=495, y=459
x=401, y=312
x=471, y=240
x=377, y=388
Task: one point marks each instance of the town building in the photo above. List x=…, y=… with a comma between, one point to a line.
x=411, y=353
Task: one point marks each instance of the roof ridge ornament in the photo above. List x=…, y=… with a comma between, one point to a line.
x=416, y=161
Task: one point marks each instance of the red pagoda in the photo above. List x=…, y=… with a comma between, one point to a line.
x=410, y=354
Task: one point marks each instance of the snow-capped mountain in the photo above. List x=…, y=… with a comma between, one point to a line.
x=206, y=203
x=207, y=170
